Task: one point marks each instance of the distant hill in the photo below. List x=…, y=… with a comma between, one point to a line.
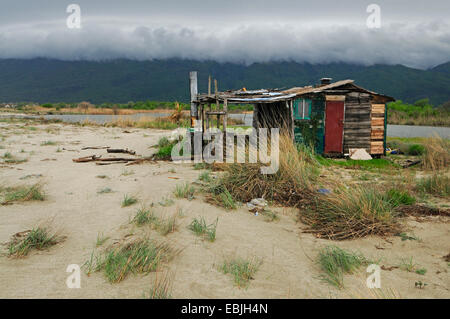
x=44, y=80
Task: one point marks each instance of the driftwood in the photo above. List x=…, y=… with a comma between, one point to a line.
x=121, y=150
x=410, y=163
x=95, y=147
x=109, y=163
x=113, y=160
x=95, y=158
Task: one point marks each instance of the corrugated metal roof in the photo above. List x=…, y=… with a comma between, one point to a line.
x=275, y=95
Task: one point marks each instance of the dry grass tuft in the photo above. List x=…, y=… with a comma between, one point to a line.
x=351, y=213
x=291, y=185
x=138, y=256
x=9, y=195
x=437, y=154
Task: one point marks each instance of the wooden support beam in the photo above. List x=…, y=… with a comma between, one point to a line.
x=209, y=85
x=225, y=116
x=207, y=117
x=291, y=110
x=194, y=92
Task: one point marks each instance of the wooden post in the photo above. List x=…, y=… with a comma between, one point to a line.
x=216, y=91
x=207, y=117
x=203, y=118
x=225, y=116
x=291, y=110
x=194, y=92
x=209, y=85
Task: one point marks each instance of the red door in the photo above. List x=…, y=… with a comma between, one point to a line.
x=334, y=126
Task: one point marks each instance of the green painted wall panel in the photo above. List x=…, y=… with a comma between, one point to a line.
x=311, y=130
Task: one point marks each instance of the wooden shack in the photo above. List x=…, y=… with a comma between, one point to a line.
x=330, y=117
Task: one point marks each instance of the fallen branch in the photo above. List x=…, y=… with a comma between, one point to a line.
x=95, y=147
x=109, y=163
x=411, y=163
x=121, y=150
x=95, y=158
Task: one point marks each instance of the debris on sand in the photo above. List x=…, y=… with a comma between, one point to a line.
x=257, y=205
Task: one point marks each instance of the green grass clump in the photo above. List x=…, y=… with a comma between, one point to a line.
x=437, y=184
x=38, y=238
x=421, y=271
x=163, y=225
x=165, y=149
x=129, y=200
x=144, y=216
x=165, y=202
x=198, y=166
x=139, y=256
x=416, y=149
x=184, y=191
x=376, y=163
x=11, y=159
x=405, y=237
x=397, y=197
x=163, y=141
x=101, y=239
x=105, y=190
x=335, y=262
x=168, y=225
x=48, y=143
x=242, y=270
x=9, y=195
x=205, y=176
x=407, y=264
x=200, y=228
x=227, y=200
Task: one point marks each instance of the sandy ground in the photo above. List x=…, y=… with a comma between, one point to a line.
x=80, y=213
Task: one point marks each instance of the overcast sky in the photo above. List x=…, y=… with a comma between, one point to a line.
x=414, y=33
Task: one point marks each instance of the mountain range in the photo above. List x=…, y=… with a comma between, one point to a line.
x=120, y=81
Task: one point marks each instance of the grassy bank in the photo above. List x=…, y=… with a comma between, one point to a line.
x=419, y=113
x=112, y=109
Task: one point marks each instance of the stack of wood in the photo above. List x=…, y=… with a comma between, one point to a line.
x=377, y=132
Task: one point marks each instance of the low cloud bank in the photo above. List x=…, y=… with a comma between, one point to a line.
x=420, y=45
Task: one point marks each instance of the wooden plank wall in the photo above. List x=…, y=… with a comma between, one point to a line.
x=377, y=132
x=357, y=122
